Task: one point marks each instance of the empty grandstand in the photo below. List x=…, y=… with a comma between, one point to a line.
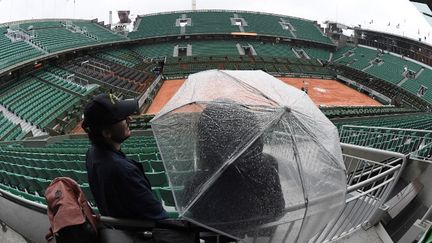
x=50, y=68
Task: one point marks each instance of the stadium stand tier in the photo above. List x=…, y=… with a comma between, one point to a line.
x=359, y=111
x=227, y=22
x=121, y=56
x=27, y=171
x=175, y=45
x=101, y=33
x=390, y=90
x=421, y=121
x=59, y=78
x=389, y=67
x=182, y=66
x=13, y=52
x=111, y=75
x=50, y=68
x=38, y=103
x=53, y=36
x=25, y=40
x=9, y=130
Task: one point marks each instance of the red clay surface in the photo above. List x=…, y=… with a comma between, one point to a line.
x=331, y=92
x=78, y=129
x=321, y=91
x=168, y=89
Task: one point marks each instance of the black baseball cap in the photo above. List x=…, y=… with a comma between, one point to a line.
x=106, y=109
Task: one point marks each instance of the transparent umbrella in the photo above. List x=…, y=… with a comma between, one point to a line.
x=250, y=157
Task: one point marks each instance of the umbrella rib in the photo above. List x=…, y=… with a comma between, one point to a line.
x=302, y=181
x=250, y=87
x=315, y=139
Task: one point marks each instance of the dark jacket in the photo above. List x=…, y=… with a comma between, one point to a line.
x=119, y=185
x=248, y=192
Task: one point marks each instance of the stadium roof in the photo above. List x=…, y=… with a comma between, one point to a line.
x=425, y=8
x=391, y=16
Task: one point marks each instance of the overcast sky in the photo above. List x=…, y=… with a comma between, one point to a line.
x=372, y=14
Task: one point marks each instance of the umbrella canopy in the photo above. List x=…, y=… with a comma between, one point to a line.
x=250, y=157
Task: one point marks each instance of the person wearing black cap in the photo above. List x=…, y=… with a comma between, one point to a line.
x=118, y=184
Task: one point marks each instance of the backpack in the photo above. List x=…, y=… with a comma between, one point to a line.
x=70, y=215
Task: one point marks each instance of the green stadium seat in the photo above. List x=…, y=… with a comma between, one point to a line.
x=167, y=196
x=157, y=165
x=157, y=179
x=148, y=156
x=81, y=177
x=146, y=166
x=86, y=189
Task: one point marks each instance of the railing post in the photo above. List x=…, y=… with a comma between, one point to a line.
x=377, y=215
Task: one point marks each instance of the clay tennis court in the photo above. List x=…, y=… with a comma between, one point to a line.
x=321, y=91
x=168, y=89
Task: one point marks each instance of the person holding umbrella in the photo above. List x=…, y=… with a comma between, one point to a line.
x=248, y=185
x=251, y=157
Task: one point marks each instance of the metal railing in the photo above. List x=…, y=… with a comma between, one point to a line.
x=96, y=66
x=369, y=183
x=405, y=141
x=371, y=176
x=424, y=153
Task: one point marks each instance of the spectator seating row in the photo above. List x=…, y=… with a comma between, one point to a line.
x=53, y=76
x=386, y=88
x=51, y=36
x=342, y=52
x=210, y=22
x=357, y=111
x=115, y=75
x=131, y=74
x=187, y=65
x=359, y=58
x=421, y=121
x=10, y=131
x=141, y=122
x=37, y=102
x=388, y=71
x=122, y=56
x=307, y=30
x=15, y=52
x=273, y=49
x=55, y=37
x=317, y=53
x=226, y=22
x=102, y=33
x=267, y=24
x=424, y=79
x=82, y=84
x=217, y=47
x=154, y=50
x=106, y=78
x=228, y=47
x=27, y=171
x=391, y=68
x=156, y=25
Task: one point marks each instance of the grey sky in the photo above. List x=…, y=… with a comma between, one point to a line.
x=373, y=14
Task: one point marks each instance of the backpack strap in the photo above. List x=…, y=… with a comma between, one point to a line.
x=49, y=237
x=88, y=211
x=92, y=218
